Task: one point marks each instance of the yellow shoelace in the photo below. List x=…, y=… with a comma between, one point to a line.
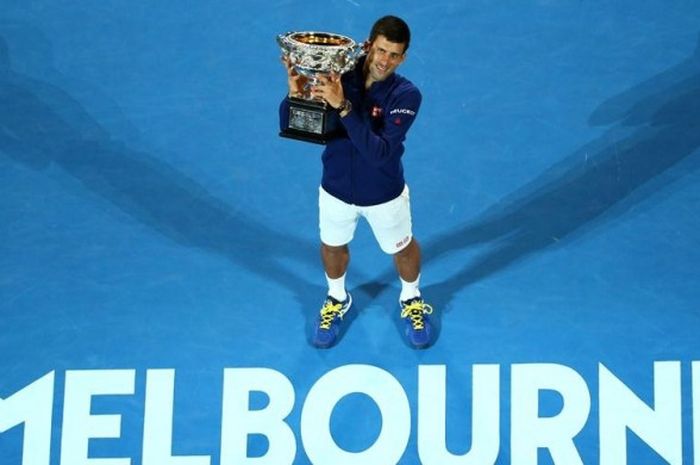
x=415, y=312
x=328, y=314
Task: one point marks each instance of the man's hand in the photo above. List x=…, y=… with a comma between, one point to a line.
x=330, y=89
x=295, y=80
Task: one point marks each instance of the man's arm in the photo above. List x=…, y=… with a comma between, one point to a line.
x=284, y=113
x=387, y=143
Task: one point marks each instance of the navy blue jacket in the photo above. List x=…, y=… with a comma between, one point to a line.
x=364, y=167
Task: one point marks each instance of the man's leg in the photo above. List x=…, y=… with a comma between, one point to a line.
x=413, y=309
x=337, y=222
x=408, y=261
x=335, y=263
x=391, y=224
x=335, y=260
x=328, y=324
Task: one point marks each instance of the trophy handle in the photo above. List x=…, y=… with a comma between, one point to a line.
x=359, y=50
x=282, y=43
x=348, y=59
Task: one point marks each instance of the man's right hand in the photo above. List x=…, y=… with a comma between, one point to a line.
x=296, y=81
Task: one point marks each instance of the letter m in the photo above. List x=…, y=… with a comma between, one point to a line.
x=32, y=406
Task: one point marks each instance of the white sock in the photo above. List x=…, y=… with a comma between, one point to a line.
x=336, y=288
x=409, y=290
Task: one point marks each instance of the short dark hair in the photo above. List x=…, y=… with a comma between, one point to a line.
x=394, y=29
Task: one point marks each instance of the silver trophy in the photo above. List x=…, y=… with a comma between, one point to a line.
x=313, y=54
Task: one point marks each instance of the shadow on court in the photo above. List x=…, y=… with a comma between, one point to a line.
x=41, y=126
x=653, y=126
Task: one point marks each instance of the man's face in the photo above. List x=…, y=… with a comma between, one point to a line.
x=383, y=58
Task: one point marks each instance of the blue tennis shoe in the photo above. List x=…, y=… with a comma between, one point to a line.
x=418, y=329
x=330, y=321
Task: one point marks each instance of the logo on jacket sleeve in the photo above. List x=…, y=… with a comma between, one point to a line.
x=398, y=112
x=402, y=111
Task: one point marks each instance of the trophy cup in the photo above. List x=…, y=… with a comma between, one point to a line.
x=313, y=54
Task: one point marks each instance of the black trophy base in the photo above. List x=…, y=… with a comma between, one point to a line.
x=311, y=121
x=308, y=136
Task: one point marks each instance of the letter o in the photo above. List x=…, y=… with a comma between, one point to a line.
x=386, y=392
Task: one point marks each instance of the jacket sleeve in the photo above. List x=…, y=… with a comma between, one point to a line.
x=284, y=113
x=386, y=143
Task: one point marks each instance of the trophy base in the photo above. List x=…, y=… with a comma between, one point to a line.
x=311, y=121
x=321, y=139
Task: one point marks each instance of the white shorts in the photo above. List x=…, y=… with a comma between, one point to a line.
x=390, y=221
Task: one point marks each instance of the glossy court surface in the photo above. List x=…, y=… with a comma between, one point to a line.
x=151, y=218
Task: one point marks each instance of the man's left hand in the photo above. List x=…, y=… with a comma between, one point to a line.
x=330, y=89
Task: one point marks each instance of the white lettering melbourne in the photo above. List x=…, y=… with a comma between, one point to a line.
x=620, y=411
x=402, y=111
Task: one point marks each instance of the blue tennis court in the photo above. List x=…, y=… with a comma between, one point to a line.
x=159, y=254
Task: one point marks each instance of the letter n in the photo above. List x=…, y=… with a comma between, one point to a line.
x=621, y=409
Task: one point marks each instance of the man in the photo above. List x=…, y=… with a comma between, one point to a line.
x=363, y=176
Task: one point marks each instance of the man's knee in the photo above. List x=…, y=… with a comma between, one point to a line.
x=334, y=249
x=409, y=249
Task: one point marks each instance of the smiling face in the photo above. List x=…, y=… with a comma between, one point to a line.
x=382, y=59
